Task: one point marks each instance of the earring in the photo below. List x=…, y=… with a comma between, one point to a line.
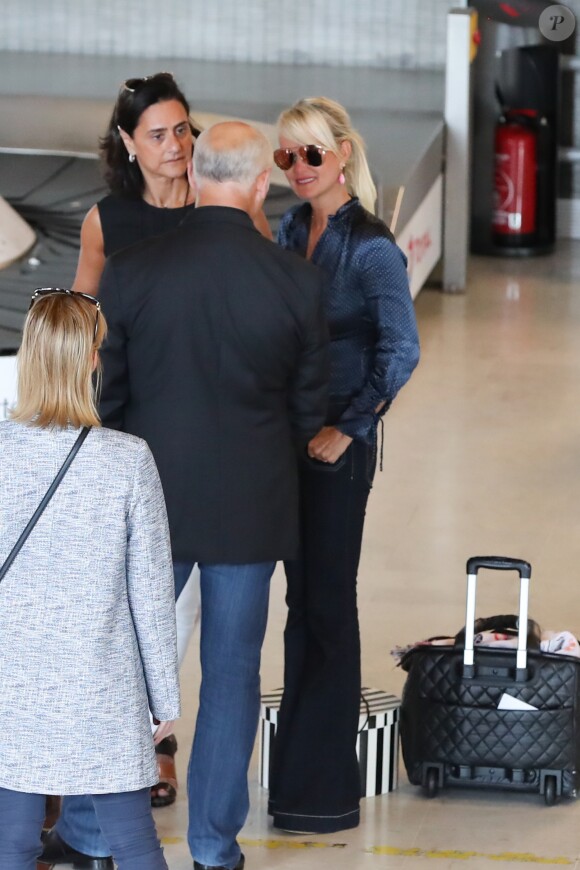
x=131, y=158
x=341, y=178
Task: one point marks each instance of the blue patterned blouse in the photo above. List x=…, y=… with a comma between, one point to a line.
x=373, y=331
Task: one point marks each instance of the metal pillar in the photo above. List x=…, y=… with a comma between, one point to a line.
x=461, y=27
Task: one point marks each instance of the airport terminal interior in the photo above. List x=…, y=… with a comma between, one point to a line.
x=481, y=448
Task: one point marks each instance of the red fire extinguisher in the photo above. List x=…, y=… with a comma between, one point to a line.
x=515, y=189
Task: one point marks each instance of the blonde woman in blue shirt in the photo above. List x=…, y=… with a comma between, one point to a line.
x=315, y=786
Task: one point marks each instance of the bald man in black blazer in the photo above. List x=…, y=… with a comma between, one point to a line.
x=217, y=357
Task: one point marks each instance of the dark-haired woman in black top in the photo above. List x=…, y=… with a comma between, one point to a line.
x=146, y=148
x=145, y=151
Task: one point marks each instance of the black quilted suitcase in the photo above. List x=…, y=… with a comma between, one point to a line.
x=453, y=733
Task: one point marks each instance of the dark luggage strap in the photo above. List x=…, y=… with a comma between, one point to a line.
x=47, y=497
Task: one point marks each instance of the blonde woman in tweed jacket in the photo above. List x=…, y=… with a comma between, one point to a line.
x=87, y=611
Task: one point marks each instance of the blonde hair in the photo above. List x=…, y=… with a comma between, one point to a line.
x=321, y=121
x=56, y=362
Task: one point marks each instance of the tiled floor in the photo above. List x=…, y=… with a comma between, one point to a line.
x=482, y=455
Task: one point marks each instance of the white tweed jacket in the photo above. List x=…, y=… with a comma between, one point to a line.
x=87, y=614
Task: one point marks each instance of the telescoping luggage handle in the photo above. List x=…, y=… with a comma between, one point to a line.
x=497, y=563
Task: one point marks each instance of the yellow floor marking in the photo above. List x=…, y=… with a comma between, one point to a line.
x=413, y=852
x=290, y=844
x=457, y=855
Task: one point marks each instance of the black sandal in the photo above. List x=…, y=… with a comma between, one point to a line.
x=167, y=775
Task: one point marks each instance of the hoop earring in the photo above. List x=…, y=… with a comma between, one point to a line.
x=131, y=158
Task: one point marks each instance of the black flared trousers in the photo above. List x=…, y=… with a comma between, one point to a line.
x=315, y=783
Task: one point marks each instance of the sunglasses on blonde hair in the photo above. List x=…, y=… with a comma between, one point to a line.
x=62, y=291
x=285, y=158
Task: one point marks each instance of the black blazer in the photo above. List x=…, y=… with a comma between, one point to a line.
x=217, y=355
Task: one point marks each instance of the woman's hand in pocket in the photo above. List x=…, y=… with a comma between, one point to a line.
x=328, y=445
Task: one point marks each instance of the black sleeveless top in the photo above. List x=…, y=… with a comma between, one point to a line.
x=127, y=221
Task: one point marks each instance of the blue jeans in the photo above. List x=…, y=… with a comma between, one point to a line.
x=125, y=819
x=234, y=611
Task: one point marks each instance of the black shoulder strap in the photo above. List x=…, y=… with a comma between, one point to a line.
x=49, y=494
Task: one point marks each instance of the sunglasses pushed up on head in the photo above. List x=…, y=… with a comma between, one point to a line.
x=75, y=294
x=133, y=85
x=285, y=158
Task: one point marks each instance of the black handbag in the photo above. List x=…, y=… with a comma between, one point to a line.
x=47, y=497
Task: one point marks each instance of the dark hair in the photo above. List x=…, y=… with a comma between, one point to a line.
x=135, y=96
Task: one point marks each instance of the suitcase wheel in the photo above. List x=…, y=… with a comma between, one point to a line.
x=431, y=786
x=550, y=791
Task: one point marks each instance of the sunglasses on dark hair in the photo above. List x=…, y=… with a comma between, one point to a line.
x=313, y=155
x=62, y=291
x=133, y=85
